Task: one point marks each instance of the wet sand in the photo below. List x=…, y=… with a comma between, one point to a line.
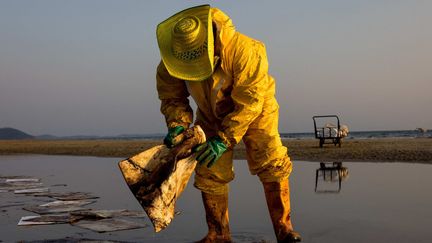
x=418, y=150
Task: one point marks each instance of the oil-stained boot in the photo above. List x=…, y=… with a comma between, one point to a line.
x=216, y=207
x=278, y=201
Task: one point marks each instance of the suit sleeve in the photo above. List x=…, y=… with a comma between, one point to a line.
x=250, y=71
x=174, y=95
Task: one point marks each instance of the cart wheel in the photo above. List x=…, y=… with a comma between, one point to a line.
x=321, y=143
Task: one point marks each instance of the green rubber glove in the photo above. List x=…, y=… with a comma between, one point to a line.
x=210, y=151
x=172, y=133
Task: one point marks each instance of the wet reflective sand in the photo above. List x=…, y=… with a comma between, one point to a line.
x=375, y=202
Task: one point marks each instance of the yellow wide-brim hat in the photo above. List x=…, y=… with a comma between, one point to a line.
x=186, y=43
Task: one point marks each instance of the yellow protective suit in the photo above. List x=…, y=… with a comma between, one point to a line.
x=237, y=102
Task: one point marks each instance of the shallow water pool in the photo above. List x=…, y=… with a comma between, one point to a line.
x=373, y=202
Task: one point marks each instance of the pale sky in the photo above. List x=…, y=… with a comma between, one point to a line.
x=88, y=67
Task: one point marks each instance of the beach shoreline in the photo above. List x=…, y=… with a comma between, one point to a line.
x=414, y=150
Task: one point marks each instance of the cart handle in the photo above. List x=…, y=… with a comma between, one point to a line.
x=314, y=117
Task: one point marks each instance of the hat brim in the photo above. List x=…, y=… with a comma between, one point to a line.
x=198, y=69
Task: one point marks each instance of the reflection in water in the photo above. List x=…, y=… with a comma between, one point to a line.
x=328, y=175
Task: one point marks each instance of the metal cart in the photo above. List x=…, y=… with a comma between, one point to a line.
x=327, y=132
x=330, y=173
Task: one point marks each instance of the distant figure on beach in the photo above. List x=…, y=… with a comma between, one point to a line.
x=226, y=73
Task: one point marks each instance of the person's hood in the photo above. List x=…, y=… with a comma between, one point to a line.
x=226, y=28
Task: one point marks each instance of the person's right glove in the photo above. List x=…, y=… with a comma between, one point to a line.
x=172, y=133
x=210, y=151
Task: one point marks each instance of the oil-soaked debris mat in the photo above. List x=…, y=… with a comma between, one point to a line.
x=59, y=207
x=91, y=219
x=23, y=179
x=47, y=219
x=67, y=196
x=4, y=177
x=103, y=214
x=73, y=240
x=108, y=225
x=12, y=185
x=22, y=185
x=32, y=190
x=67, y=208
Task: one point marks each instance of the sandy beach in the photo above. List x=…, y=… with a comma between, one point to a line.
x=417, y=150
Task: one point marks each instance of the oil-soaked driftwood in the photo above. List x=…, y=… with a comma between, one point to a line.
x=159, y=175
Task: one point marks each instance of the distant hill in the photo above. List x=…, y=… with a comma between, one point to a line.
x=8, y=133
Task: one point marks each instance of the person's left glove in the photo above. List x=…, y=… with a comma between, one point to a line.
x=172, y=133
x=210, y=151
